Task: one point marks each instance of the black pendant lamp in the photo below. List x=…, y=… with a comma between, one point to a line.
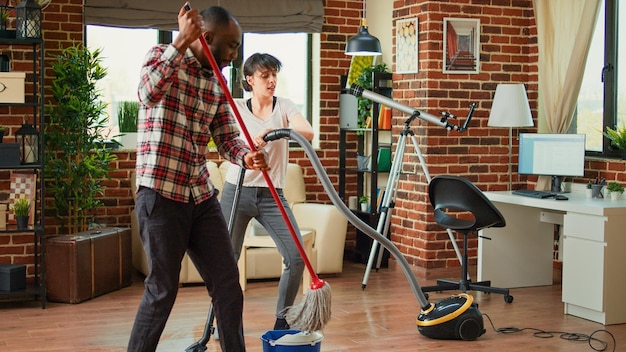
x=363, y=44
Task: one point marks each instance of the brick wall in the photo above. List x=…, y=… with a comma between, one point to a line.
x=508, y=54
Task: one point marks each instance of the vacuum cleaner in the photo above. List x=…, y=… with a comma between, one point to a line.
x=453, y=318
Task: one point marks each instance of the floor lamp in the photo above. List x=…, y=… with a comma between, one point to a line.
x=510, y=109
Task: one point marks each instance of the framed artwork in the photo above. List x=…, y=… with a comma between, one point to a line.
x=461, y=45
x=406, y=46
x=22, y=185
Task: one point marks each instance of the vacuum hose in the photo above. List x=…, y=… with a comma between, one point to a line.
x=352, y=218
x=453, y=318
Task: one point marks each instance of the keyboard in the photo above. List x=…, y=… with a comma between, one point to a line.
x=533, y=194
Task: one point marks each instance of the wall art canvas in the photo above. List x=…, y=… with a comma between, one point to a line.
x=461, y=45
x=406, y=46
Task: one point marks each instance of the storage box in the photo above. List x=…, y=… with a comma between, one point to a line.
x=9, y=154
x=88, y=264
x=12, y=277
x=12, y=87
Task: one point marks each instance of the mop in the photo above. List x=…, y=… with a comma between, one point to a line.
x=313, y=312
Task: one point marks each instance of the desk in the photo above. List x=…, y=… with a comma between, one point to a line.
x=593, y=251
x=265, y=241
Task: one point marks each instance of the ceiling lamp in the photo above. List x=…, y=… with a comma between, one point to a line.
x=363, y=44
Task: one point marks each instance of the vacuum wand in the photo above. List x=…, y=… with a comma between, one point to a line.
x=359, y=91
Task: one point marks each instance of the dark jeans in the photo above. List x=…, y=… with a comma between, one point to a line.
x=168, y=229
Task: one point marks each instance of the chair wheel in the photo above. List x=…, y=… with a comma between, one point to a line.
x=508, y=298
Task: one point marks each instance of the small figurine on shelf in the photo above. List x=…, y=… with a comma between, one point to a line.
x=21, y=209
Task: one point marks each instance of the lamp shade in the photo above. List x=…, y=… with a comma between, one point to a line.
x=363, y=44
x=510, y=107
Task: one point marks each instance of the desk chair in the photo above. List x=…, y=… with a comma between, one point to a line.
x=450, y=196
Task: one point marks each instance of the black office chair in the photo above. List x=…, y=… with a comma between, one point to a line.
x=450, y=197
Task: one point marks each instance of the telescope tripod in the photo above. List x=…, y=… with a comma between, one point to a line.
x=388, y=201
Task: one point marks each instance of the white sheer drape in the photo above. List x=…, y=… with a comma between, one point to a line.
x=564, y=31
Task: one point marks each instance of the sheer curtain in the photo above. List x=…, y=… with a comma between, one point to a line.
x=564, y=31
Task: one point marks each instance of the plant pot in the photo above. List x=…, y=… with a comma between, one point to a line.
x=129, y=140
x=615, y=195
x=364, y=207
x=22, y=222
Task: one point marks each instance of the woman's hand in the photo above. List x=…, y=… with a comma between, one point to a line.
x=258, y=140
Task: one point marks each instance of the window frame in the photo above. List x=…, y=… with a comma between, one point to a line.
x=609, y=75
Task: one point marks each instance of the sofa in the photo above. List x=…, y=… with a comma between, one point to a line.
x=325, y=221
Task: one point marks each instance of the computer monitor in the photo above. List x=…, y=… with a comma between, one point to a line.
x=548, y=154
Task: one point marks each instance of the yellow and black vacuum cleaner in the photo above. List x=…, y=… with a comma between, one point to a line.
x=453, y=318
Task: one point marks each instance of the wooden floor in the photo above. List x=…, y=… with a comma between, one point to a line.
x=379, y=318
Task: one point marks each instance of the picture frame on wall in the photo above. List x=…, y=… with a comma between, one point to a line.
x=461, y=45
x=406, y=46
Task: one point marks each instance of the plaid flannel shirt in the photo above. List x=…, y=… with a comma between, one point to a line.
x=182, y=106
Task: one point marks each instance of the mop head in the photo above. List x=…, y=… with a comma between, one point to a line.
x=313, y=312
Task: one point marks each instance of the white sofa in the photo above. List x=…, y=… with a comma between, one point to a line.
x=325, y=220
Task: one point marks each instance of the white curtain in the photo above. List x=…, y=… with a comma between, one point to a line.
x=255, y=16
x=564, y=31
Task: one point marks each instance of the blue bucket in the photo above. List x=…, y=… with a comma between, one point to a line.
x=291, y=341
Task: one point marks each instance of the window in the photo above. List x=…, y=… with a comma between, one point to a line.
x=123, y=51
x=602, y=97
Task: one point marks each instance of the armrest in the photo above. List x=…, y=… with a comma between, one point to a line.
x=330, y=234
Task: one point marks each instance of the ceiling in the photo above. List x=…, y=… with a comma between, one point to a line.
x=255, y=16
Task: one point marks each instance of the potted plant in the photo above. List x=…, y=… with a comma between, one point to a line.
x=21, y=209
x=4, y=16
x=615, y=190
x=617, y=137
x=78, y=160
x=363, y=200
x=365, y=80
x=127, y=116
x=3, y=131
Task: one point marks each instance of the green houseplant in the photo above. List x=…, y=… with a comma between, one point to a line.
x=615, y=190
x=21, y=209
x=78, y=160
x=615, y=187
x=365, y=80
x=363, y=201
x=3, y=131
x=127, y=116
x=617, y=137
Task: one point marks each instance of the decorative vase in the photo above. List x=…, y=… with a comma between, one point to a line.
x=22, y=222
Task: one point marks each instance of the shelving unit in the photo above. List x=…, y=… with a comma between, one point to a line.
x=34, y=104
x=368, y=143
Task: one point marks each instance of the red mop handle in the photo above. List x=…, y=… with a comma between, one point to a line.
x=316, y=282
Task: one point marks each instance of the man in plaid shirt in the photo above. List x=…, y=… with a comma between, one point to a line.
x=182, y=105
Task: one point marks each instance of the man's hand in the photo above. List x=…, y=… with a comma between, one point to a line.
x=189, y=27
x=256, y=161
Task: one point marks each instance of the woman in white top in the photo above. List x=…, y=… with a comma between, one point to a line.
x=261, y=114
